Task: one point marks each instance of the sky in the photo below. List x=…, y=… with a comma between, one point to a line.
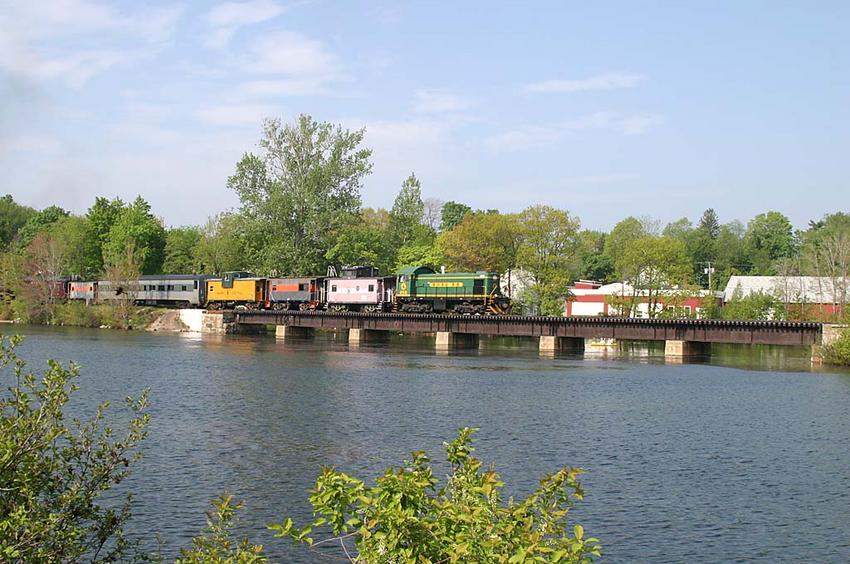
x=606, y=109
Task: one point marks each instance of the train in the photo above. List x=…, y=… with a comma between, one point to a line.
x=356, y=288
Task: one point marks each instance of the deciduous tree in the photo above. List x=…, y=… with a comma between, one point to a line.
x=452, y=214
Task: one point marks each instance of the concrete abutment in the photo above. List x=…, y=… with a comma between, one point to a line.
x=292, y=332
x=678, y=349
x=358, y=336
x=447, y=341
x=551, y=344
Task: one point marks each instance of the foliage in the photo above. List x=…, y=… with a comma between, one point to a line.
x=549, y=253
x=44, y=262
x=756, y=306
x=838, y=352
x=595, y=263
x=770, y=237
x=54, y=475
x=652, y=265
x=362, y=244
x=216, y=543
x=220, y=248
x=625, y=231
x=424, y=254
x=39, y=222
x=298, y=193
x=452, y=214
x=482, y=241
x=101, y=217
x=180, y=251
x=407, y=213
x=405, y=517
x=122, y=276
x=138, y=228
x=13, y=217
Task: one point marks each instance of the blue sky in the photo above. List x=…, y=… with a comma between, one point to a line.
x=655, y=109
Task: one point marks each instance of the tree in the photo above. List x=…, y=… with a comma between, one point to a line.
x=652, y=266
x=432, y=212
x=44, y=263
x=452, y=214
x=138, y=228
x=298, y=194
x=101, y=217
x=482, y=241
x=13, y=217
x=181, y=250
x=362, y=244
x=549, y=252
x=220, y=248
x=38, y=222
x=770, y=237
x=625, y=231
x=826, y=253
x=122, y=275
x=54, y=475
x=405, y=517
x=595, y=264
x=422, y=254
x=83, y=257
x=407, y=212
x=709, y=224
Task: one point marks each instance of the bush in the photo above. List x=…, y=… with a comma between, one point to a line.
x=404, y=517
x=838, y=352
x=757, y=306
x=53, y=475
x=216, y=543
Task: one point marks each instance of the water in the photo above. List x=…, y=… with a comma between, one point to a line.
x=745, y=457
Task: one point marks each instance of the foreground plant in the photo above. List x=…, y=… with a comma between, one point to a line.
x=216, y=542
x=405, y=517
x=54, y=473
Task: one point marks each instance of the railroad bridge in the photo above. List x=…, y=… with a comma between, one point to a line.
x=682, y=337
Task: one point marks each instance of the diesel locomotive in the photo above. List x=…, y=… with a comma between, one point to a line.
x=357, y=288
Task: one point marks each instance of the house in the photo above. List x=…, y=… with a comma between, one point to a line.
x=828, y=296
x=588, y=297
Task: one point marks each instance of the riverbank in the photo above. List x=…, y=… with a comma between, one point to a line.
x=78, y=314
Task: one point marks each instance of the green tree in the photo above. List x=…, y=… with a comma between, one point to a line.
x=39, y=222
x=137, y=227
x=826, y=253
x=422, y=254
x=362, y=244
x=181, y=244
x=54, y=475
x=770, y=237
x=83, y=257
x=101, y=217
x=220, y=248
x=407, y=212
x=406, y=517
x=549, y=253
x=756, y=306
x=452, y=214
x=482, y=241
x=595, y=264
x=13, y=217
x=298, y=193
x=653, y=266
x=625, y=231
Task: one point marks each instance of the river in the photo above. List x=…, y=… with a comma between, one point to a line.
x=743, y=456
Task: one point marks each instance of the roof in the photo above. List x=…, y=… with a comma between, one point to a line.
x=791, y=289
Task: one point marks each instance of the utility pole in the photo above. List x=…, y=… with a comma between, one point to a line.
x=708, y=270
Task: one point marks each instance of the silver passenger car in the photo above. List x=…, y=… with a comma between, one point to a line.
x=183, y=290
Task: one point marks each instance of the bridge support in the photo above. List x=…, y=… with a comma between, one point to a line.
x=829, y=335
x=551, y=344
x=678, y=349
x=291, y=332
x=446, y=340
x=357, y=336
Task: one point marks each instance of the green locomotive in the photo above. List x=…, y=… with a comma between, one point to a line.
x=421, y=290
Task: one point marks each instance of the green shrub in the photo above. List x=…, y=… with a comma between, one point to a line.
x=838, y=352
x=216, y=542
x=405, y=517
x=756, y=306
x=54, y=473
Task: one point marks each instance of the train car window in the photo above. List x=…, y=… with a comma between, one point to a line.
x=357, y=288
x=371, y=287
x=162, y=288
x=333, y=288
x=302, y=287
x=196, y=285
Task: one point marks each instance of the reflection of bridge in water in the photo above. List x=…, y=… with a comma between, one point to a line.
x=683, y=337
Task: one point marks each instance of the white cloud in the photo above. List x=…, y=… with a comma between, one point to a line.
x=72, y=40
x=438, y=101
x=226, y=18
x=235, y=115
x=284, y=87
x=528, y=137
x=290, y=54
x=606, y=81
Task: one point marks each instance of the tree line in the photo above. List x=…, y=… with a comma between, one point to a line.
x=301, y=210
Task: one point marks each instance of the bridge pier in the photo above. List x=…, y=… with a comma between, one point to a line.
x=446, y=340
x=678, y=349
x=357, y=336
x=292, y=332
x=551, y=344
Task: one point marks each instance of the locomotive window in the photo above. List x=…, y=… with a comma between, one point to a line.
x=371, y=287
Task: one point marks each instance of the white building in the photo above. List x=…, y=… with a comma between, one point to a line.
x=828, y=294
